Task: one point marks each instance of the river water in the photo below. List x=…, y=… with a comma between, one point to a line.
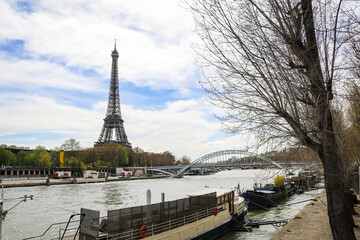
x=56, y=203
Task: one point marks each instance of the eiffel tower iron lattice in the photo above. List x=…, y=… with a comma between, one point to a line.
x=113, y=122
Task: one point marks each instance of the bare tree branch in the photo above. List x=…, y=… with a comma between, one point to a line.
x=269, y=67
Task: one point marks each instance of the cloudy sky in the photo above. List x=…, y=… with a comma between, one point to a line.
x=55, y=69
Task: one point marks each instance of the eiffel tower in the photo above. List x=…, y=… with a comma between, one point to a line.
x=113, y=122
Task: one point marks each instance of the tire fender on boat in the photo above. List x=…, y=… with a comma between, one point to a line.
x=215, y=211
x=143, y=231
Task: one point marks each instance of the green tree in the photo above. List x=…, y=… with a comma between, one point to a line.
x=75, y=164
x=31, y=159
x=108, y=153
x=55, y=158
x=39, y=149
x=131, y=155
x=100, y=163
x=88, y=155
x=122, y=157
x=41, y=157
x=20, y=158
x=7, y=157
x=44, y=159
x=71, y=162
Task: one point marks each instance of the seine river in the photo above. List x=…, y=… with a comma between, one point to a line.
x=56, y=203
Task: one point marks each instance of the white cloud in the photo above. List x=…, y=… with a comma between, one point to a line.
x=35, y=74
x=153, y=37
x=182, y=128
x=63, y=38
x=30, y=113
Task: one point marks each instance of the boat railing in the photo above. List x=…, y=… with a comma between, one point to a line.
x=56, y=230
x=156, y=228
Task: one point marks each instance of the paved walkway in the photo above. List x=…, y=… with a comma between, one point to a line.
x=313, y=223
x=33, y=182
x=23, y=182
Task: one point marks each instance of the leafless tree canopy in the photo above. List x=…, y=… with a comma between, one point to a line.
x=274, y=58
x=277, y=66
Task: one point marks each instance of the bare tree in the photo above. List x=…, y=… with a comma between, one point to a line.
x=276, y=66
x=70, y=145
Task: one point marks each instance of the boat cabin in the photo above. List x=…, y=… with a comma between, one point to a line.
x=222, y=196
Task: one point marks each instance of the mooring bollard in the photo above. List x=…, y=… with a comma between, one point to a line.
x=162, y=197
x=47, y=180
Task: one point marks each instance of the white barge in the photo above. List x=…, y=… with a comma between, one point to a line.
x=203, y=215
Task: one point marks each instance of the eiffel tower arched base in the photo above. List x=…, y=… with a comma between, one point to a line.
x=124, y=144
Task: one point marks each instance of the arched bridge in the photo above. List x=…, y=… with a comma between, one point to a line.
x=219, y=159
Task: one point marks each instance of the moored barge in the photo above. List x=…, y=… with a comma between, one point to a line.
x=268, y=196
x=203, y=215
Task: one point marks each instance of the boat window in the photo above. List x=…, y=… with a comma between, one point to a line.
x=226, y=197
x=218, y=200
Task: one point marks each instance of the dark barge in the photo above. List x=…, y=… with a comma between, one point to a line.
x=268, y=196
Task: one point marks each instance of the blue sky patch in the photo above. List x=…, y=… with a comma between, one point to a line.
x=218, y=136
x=28, y=138
x=24, y=6
x=147, y=98
x=86, y=72
x=15, y=48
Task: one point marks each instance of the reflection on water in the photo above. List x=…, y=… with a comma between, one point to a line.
x=113, y=195
x=56, y=203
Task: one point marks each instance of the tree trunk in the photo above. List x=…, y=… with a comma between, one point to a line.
x=339, y=209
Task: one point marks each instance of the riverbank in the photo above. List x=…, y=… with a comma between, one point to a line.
x=28, y=182
x=312, y=222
